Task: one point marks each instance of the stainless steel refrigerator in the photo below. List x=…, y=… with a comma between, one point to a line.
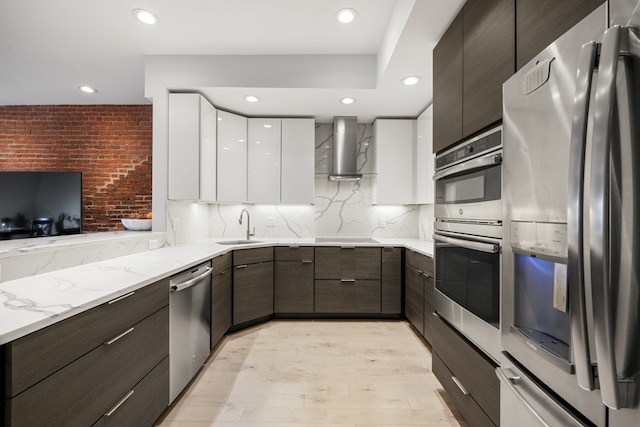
x=571, y=259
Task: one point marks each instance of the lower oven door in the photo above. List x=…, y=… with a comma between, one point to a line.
x=467, y=272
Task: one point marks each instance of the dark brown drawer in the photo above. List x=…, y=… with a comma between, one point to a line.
x=37, y=355
x=348, y=263
x=464, y=402
x=221, y=263
x=359, y=296
x=252, y=256
x=81, y=392
x=294, y=253
x=419, y=261
x=474, y=370
x=143, y=404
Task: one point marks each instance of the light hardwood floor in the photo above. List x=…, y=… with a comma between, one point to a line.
x=317, y=373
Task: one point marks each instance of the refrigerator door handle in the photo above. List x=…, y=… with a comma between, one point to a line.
x=575, y=218
x=599, y=216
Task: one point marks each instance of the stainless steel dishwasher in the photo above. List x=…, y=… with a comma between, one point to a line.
x=189, y=325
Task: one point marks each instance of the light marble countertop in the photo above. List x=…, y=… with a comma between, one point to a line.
x=32, y=303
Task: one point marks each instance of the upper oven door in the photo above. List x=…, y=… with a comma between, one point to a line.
x=468, y=179
x=473, y=192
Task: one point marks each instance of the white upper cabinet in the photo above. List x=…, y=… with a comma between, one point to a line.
x=298, y=161
x=192, y=148
x=424, y=160
x=394, y=143
x=264, y=160
x=232, y=158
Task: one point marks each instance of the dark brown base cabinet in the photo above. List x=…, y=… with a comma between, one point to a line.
x=348, y=280
x=391, y=274
x=419, y=298
x=75, y=371
x=466, y=374
x=294, y=280
x=221, y=297
x=252, y=284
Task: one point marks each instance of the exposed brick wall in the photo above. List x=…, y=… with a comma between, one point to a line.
x=110, y=144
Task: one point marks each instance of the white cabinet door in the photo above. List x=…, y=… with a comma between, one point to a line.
x=264, y=160
x=298, y=161
x=232, y=158
x=192, y=140
x=394, y=141
x=424, y=160
x=208, y=150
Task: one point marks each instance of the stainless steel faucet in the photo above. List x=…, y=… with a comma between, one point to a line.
x=249, y=234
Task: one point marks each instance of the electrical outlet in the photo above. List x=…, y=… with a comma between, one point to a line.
x=382, y=222
x=271, y=221
x=153, y=244
x=176, y=224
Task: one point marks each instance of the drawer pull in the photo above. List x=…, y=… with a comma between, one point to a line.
x=426, y=275
x=460, y=386
x=347, y=247
x=121, y=298
x=241, y=266
x=347, y=280
x=118, y=404
x=116, y=338
x=307, y=261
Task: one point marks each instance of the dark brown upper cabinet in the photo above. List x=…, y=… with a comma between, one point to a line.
x=470, y=62
x=488, y=29
x=447, y=87
x=540, y=22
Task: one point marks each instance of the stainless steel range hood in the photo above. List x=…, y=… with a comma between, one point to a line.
x=345, y=149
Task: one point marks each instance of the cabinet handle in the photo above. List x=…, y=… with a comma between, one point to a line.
x=118, y=404
x=241, y=266
x=426, y=275
x=460, y=386
x=116, y=338
x=121, y=298
x=347, y=280
x=347, y=247
x=307, y=261
x=419, y=271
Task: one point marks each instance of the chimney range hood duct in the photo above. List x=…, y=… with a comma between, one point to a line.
x=345, y=149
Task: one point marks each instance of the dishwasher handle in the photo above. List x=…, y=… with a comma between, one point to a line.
x=177, y=287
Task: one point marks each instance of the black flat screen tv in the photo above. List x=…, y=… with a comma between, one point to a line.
x=40, y=204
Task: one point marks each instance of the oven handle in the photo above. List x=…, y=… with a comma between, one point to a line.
x=468, y=166
x=468, y=244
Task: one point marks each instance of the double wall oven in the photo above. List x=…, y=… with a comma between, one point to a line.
x=468, y=238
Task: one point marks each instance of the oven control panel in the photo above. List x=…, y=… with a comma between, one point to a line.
x=470, y=149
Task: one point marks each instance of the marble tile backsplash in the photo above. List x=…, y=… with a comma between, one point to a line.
x=340, y=209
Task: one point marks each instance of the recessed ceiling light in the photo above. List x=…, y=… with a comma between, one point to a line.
x=348, y=100
x=411, y=80
x=258, y=142
x=251, y=98
x=346, y=16
x=267, y=126
x=87, y=89
x=241, y=140
x=144, y=16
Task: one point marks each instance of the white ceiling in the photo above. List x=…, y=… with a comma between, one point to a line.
x=48, y=48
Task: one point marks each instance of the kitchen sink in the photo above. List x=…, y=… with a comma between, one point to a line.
x=237, y=242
